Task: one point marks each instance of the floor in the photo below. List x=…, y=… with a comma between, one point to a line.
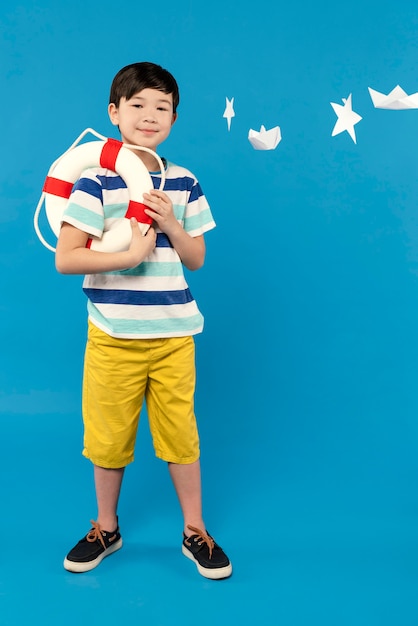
x=327, y=540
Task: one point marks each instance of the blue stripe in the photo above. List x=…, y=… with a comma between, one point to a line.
x=89, y=186
x=163, y=241
x=143, y=298
x=196, y=193
x=181, y=183
x=111, y=182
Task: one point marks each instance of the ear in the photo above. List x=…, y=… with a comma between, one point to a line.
x=174, y=118
x=113, y=114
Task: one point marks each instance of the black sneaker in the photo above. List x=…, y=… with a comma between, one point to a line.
x=211, y=561
x=90, y=551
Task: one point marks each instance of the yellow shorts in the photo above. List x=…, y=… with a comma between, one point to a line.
x=118, y=375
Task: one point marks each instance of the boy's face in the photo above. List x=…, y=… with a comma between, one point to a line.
x=145, y=119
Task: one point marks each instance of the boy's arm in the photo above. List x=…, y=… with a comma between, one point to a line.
x=72, y=256
x=191, y=250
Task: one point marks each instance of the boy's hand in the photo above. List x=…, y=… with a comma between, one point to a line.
x=191, y=250
x=72, y=256
x=141, y=245
x=161, y=211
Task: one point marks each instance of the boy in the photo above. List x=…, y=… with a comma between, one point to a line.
x=142, y=318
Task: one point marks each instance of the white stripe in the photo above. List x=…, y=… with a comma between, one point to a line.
x=136, y=283
x=89, y=203
x=196, y=207
x=163, y=254
x=134, y=312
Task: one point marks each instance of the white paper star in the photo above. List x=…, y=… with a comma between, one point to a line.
x=229, y=112
x=347, y=118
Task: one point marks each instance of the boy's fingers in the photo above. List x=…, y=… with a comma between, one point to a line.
x=136, y=231
x=157, y=194
x=134, y=226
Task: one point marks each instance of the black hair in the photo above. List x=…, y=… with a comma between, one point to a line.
x=133, y=78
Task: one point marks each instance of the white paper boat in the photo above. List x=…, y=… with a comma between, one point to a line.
x=265, y=139
x=396, y=100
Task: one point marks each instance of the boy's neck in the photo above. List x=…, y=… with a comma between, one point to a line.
x=148, y=160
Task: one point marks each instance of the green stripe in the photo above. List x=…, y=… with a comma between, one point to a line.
x=116, y=210
x=84, y=215
x=152, y=269
x=149, y=327
x=196, y=221
x=178, y=210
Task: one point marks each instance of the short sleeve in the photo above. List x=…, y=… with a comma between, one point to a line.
x=198, y=218
x=85, y=205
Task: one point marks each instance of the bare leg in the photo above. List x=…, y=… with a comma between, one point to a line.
x=187, y=483
x=108, y=483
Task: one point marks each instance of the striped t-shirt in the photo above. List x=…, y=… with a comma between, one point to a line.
x=153, y=299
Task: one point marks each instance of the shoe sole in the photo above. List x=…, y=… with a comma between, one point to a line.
x=78, y=568
x=215, y=573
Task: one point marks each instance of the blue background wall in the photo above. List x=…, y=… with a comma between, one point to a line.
x=307, y=368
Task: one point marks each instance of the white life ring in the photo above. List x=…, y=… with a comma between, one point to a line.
x=110, y=154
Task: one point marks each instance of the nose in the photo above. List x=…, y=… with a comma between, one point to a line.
x=148, y=115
